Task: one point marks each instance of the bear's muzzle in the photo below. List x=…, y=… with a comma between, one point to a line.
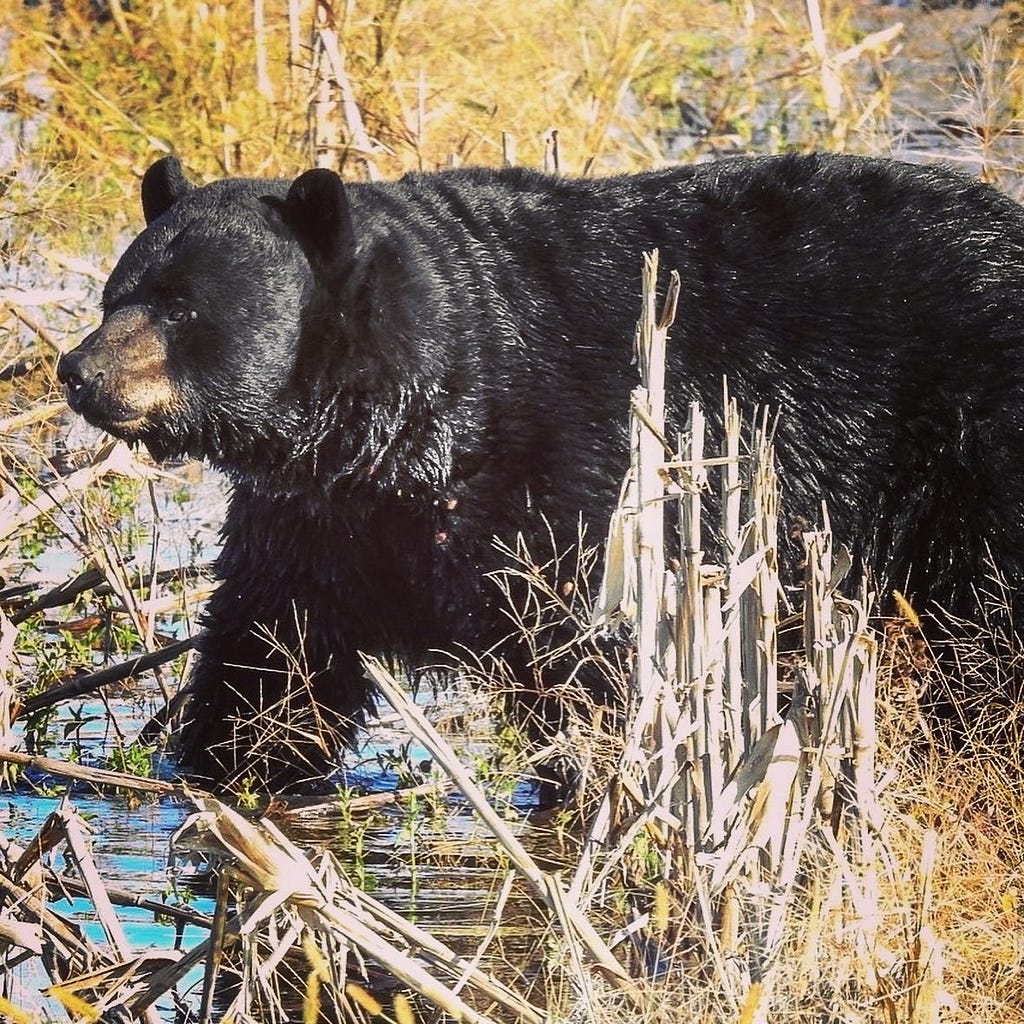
x=118, y=378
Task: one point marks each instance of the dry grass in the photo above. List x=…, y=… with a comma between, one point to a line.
x=976, y=813
x=969, y=795
x=434, y=83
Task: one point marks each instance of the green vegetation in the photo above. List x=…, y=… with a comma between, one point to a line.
x=133, y=759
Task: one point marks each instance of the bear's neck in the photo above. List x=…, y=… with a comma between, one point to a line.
x=396, y=448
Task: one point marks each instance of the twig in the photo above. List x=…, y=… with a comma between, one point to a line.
x=575, y=925
x=96, y=776
x=35, y=327
x=361, y=142
x=63, y=593
x=370, y=802
x=95, y=580
x=38, y=414
x=78, y=851
x=92, y=681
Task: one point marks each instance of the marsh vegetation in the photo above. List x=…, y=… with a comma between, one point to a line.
x=915, y=914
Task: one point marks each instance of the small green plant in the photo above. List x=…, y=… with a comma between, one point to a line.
x=133, y=759
x=175, y=896
x=52, y=656
x=37, y=730
x=400, y=761
x=409, y=836
x=500, y=767
x=72, y=729
x=42, y=533
x=181, y=495
x=352, y=831
x=124, y=637
x=35, y=542
x=246, y=797
x=123, y=493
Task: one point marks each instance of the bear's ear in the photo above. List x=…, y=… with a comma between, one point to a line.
x=162, y=186
x=317, y=212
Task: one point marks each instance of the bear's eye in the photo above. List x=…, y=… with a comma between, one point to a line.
x=178, y=313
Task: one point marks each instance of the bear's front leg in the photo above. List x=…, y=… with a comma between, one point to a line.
x=278, y=689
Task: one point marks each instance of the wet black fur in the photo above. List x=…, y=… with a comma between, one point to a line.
x=392, y=374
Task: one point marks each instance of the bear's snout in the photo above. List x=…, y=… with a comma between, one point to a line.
x=118, y=377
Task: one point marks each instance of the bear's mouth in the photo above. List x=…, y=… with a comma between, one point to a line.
x=129, y=429
x=110, y=409
x=126, y=427
x=140, y=430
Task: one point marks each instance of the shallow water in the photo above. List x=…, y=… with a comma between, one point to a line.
x=434, y=868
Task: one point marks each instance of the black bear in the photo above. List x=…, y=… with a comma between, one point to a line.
x=392, y=374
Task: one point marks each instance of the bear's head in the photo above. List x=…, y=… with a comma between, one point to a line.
x=199, y=351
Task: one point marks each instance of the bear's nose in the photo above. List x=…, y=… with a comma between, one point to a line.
x=75, y=373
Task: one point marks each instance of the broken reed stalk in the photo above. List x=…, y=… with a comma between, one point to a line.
x=11, y=852
x=88, y=980
x=281, y=879
x=37, y=414
x=732, y=638
x=924, y=997
x=90, y=682
x=74, y=828
x=99, y=777
x=648, y=441
x=94, y=581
